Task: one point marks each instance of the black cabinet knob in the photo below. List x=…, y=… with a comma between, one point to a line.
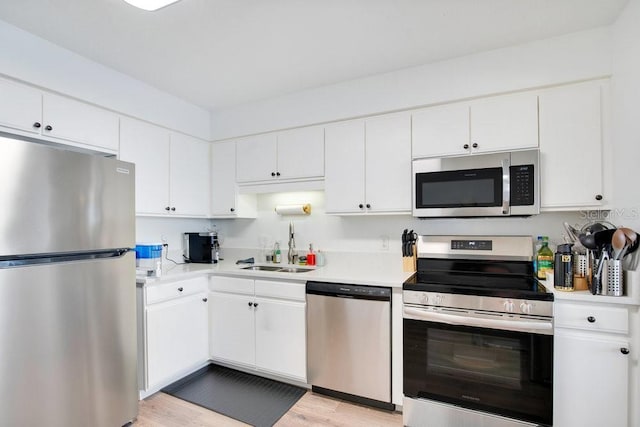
x=465, y=146
x=624, y=350
x=173, y=209
x=205, y=299
x=250, y=304
x=255, y=305
x=475, y=145
x=37, y=125
x=180, y=289
x=598, y=196
x=273, y=174
x=368, y=206
x=167, y=208
x=233, y=209
x=361, y=206
x=277, y=173
x=591, y=319
x=48, y=127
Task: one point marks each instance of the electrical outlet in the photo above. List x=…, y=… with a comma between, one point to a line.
x=385, y=243
x=163, y=238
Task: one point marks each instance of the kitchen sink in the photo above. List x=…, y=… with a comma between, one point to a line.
x=277, y=269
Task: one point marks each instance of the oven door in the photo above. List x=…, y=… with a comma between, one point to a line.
x=478, y=366
x=456, y=187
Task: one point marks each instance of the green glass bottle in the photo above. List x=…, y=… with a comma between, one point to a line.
x=544, y=259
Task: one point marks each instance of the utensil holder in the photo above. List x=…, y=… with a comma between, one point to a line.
x=580, y=265
x=612, y=278
x=409, y=262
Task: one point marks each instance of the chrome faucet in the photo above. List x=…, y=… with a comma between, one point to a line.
x=291, y=255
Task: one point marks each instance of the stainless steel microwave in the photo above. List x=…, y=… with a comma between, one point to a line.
x=500, y=184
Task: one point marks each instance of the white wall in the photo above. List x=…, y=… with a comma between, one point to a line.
x=562, y=59
x=367, y=233
x=169, y=230
x=33, y=60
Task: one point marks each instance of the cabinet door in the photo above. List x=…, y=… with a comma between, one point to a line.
x=20, y=107
x=344, y=168
x=79, y=122
x=301, y=153
x=223, y=179
x=441, y=131
x=148, y=147
x=388, y=164
x=256, y=158
x=571, y=146
x=504, y=122
x=177, y=338
x=591, y=371
x=189, y=175
x=231, y=328
x=281, y=345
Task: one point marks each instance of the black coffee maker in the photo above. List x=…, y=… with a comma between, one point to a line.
x=201, y=247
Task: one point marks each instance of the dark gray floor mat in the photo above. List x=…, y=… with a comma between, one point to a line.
x=248, y=398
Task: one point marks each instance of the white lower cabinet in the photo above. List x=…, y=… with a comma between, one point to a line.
x=175, y=331
x=259, y=325
x=591, y=366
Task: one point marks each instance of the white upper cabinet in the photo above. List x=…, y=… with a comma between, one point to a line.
x=172, y=170
x=20, y=107
x=189, y=175
x=257, y=158
x=498, y=123
x=301, y=153
x=388, y=163
x=571, y=146
x=74, y=121
x=28, y=111
x=507, y=122
x=441, y=131
x=368, y=165
x=225, y=199
x=148, y=147
x=288, y=155
x=345, y=171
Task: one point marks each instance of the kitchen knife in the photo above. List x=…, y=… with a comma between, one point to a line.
x=404, y=242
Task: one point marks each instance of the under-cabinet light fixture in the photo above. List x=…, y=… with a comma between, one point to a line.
x=150, y=5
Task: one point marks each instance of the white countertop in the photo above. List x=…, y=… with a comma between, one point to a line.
x=374, y=269
x=631, y=297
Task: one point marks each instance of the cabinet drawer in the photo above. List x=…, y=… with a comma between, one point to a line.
x=167, y=291
x=236, y=285
x=592, y=318
x=282, y=290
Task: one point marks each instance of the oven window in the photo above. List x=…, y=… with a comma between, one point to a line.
x=463, y=188
x=475, y=358
x=503, y=372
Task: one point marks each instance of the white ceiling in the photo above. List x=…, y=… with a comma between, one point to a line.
x=219, y=53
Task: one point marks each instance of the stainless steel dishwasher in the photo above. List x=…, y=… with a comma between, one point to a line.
x=349, y=342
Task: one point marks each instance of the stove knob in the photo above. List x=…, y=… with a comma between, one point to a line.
x=508, y=306
x=438, y=299
x=525, y=307
x=424, y=298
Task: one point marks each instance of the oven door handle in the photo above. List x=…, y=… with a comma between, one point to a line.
x=537, y=327
x=506, y=189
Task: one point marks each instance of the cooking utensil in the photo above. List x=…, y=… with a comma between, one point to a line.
x=404, y=243
x=618, y=243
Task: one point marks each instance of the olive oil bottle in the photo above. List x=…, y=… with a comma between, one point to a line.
x=544, y=259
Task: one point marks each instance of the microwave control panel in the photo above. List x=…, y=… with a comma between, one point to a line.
x=522, y=185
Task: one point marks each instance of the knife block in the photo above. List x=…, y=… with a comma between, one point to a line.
x=409, y=262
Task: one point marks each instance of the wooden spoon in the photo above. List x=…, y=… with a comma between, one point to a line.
x=618, y=242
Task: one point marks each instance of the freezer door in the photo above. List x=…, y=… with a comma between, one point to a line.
x=68, y=344
x=55, y=200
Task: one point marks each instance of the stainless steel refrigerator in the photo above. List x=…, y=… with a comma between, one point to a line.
x=67, y=288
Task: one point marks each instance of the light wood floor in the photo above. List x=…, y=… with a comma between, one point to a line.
x=163, y=410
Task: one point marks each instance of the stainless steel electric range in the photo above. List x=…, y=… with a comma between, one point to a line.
x=478, y=335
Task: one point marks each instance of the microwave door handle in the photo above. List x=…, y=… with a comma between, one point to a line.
x=506, y=189
x=541, y=327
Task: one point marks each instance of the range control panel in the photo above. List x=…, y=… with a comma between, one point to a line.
x=474, y=245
